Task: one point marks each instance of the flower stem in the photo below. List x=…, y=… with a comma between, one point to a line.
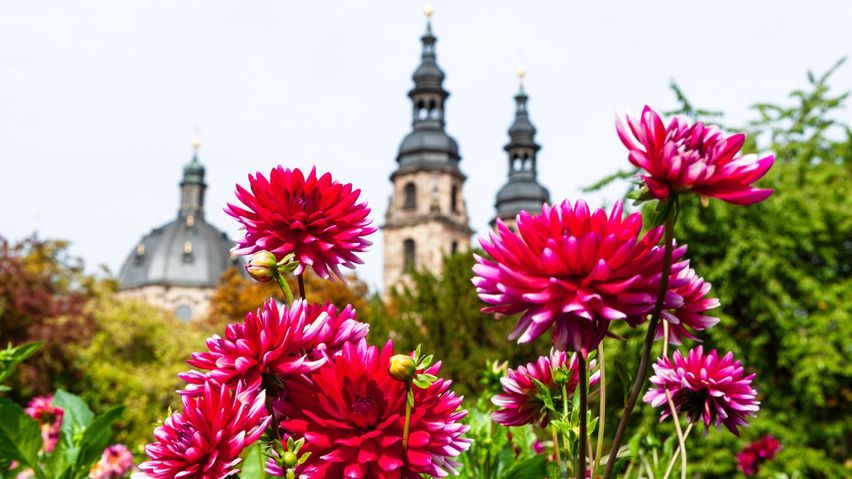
x=681, y=438
x=583, y=386
x=301, y=280
x=407, y=423
x=642, y=372
x=285, y=288
x=602, y=411
x=674, y=456
x=556, y=448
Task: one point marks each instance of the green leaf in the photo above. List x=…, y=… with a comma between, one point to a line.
x=97, y=437
x=532, y=468
x=77, y=415
x=11, y=357
x=252, y=466
x=20, y=436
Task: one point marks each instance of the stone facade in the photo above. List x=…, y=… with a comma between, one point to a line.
x=435, y=223
x=187, y=303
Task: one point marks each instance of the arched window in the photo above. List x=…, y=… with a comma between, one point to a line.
x=409, y=196
x=454, y=199
x=420, y=112
x=454, y=247
x=409, y=251
x=516, y=164
x=183, y=312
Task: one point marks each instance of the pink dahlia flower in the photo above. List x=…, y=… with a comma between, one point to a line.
x=753, y=455
x=704, y=387
x=680, y=158
x=519, y=403
x=49, y=417
x=115, y=462
x=689, y=312
x=317, y=219
x=574, y=270
x=206, y=439
x=352, y=413
x=280, y=341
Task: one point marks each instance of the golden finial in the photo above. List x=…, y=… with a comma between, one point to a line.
x=196, y=143
x=522, y=72
x=427, y=10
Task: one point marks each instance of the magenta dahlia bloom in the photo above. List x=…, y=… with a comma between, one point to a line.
x=519, y=403
x=352, y=413
x=679, y=158
x=706, y=388
x=206, y=439
x=49, y=417
x=689, y=312
x=752, y=456
x=573, y=270
x=317, y=219
x=115, y=462
x=277, y=340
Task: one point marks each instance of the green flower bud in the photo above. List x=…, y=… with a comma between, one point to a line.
x=289, y=459
x=262, y=266
x=402, y=367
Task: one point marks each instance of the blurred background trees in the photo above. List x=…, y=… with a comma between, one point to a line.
x=781, y=269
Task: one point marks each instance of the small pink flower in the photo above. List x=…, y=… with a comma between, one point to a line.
x=283, y=341
x=316, y=218
x=49, y=417
x=679, y=158
x=753, y=455
x=205, y=440
x=115, y=462
x=519, y=403
x=704, y=387
x=352, y=413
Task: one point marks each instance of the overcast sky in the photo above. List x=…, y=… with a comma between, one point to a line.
x=99, y=100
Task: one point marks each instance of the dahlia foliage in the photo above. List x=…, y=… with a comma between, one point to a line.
x=300, y=378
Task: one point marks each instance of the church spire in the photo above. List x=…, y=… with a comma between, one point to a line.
x=522, y=191
x=192, y=187
x=428, y=94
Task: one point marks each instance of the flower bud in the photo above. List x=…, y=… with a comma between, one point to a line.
x=402, y=367
x=262, y=266
x=289, y=459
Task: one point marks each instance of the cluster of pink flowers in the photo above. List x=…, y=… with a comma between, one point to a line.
x=49, y=417
x=306, y=371
x=756, y=453
x=115, y=462
x=520, y=404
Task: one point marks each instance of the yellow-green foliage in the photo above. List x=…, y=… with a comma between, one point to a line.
x=133, y=360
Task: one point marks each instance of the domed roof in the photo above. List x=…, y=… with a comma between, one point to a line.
x=429, y=140
x=520, y=194
x=184, y=252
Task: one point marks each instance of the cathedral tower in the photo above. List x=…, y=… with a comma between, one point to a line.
x=522, y=191
x=427, y=216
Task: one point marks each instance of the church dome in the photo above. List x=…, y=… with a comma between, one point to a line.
x=521, y=194
x=186, y=252
x=428, y=141
x=183, y=252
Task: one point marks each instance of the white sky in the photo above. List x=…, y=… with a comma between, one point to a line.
x=99, y=99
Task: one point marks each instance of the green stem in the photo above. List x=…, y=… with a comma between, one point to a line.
x=407, y=421
x=674, y=456
x=285, y=288
x=556, y=447
x=583, y=386
x=301, y=280
x=602, y=411
x=642, y=372
x=681, y=438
